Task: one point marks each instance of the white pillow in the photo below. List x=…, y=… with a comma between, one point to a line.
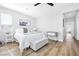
x=19, y=30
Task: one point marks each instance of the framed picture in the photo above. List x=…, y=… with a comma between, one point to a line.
x=23, y=23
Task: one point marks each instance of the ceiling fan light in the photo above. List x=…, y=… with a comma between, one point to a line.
x=51, y=4
x=37, y=4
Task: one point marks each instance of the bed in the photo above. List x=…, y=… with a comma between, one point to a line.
x=34, y=40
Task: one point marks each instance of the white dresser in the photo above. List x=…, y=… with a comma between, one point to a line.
x=52, y=35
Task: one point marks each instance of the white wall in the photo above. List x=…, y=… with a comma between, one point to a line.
x=16, y=16
x=54, y=22
x=77, y=23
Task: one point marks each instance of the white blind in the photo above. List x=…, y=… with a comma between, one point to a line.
x=6, y=19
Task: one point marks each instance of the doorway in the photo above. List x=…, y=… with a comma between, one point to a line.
x=69, y=24
x=69, y=30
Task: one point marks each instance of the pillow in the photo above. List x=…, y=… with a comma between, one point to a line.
x=25, y=30
x=19, y=30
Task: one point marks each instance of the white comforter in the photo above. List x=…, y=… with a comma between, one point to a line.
x=25, y=39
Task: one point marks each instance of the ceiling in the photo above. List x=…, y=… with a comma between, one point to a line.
x=42, y=10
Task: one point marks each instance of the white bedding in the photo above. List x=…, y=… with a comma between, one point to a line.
x=25, y=39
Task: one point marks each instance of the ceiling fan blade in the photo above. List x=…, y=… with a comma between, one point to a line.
x=37, y=4
x=51, y=4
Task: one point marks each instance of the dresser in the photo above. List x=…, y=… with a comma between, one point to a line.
x=52, y=35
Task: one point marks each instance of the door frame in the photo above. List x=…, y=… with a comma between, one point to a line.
x=75, y=28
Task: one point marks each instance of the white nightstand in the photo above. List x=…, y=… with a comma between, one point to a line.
x=8, y=37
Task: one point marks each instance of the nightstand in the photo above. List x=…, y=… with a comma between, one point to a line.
x=8, y=37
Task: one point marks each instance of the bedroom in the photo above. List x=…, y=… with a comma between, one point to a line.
x=26, y=29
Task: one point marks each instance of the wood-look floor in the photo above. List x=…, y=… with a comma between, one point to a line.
x=53, y=48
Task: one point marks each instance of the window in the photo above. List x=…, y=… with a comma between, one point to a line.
x=6, y=19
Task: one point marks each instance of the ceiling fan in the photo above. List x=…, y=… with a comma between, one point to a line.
x=51, y=4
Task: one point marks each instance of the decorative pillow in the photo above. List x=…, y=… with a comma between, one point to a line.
x=25, y=30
